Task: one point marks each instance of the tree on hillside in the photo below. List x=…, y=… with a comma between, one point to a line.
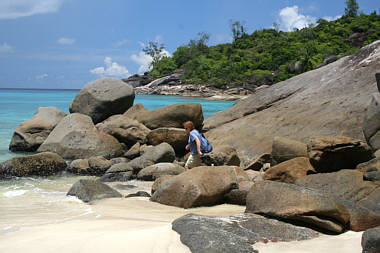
x=155, y=51
x=351, y=9
x=238, y=29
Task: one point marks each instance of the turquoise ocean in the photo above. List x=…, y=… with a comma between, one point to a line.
x=33, y=201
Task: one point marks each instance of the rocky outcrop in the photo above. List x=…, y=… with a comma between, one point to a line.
x=138, y=80
x=200, y=186
x=235, y=233
x=30, y=134
x=124, y=129
x=371, y=123
x=333, y=153
x=176, y=137
x=157, y=170
x=289, y=171
x=76, y=137
x=91, y=190
x=309, y=207
x=43, y=164
x=172, y=116
x=371, y=240
x=103, y=98
x=328, y=101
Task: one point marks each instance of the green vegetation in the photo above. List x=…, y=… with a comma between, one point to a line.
x=269, y=55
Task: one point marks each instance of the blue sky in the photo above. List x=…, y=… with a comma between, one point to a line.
x=63, y=44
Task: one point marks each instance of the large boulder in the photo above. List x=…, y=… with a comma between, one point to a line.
x=103, y=98
x=309, y=206
x=200, y=186
x=333, y=153
x=89, y=190
x=371, y=123
x=289, y=171
x=222, y=155
x=30, y=134
x=371, y=240
x=328, y=101
x=76, y=137
x=176, y=137
x=172, y=116
x=346, y=184
x=124, y=129
x=285, y=149
x=157, y=170
x=237, y=233
x=43, y=164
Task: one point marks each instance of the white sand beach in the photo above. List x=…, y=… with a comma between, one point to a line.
x=139, y=225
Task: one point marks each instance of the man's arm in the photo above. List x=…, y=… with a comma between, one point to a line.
x=198, y=142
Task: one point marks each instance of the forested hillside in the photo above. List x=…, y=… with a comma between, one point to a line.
x=269, y=55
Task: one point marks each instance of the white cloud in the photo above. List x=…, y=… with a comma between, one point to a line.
x=5, y=48
x=66, y=41
x=144, y=60
x=112, y=69
x=11, y=9
x=291, y=18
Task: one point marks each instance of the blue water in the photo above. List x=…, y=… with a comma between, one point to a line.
x=18, y=105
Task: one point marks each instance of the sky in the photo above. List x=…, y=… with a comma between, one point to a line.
x=64, y=44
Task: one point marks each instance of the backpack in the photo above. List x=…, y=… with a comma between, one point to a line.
x=206, y=146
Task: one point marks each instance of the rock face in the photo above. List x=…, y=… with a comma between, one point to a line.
x=234, y=233
x=124, y=129
x=43, y=164
x=76, y=137
x=289, y=171
x=90, y=190
x=137, y=80
x=103, y=98
x=371, y=240
x=30, y=134
x=157, y=170
x=285, y=149
x=172, y=116
x=333, y=153
x=328, y=101
x=200, y=186
x=176, y=137
x=308, y=206
x=371, y=123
